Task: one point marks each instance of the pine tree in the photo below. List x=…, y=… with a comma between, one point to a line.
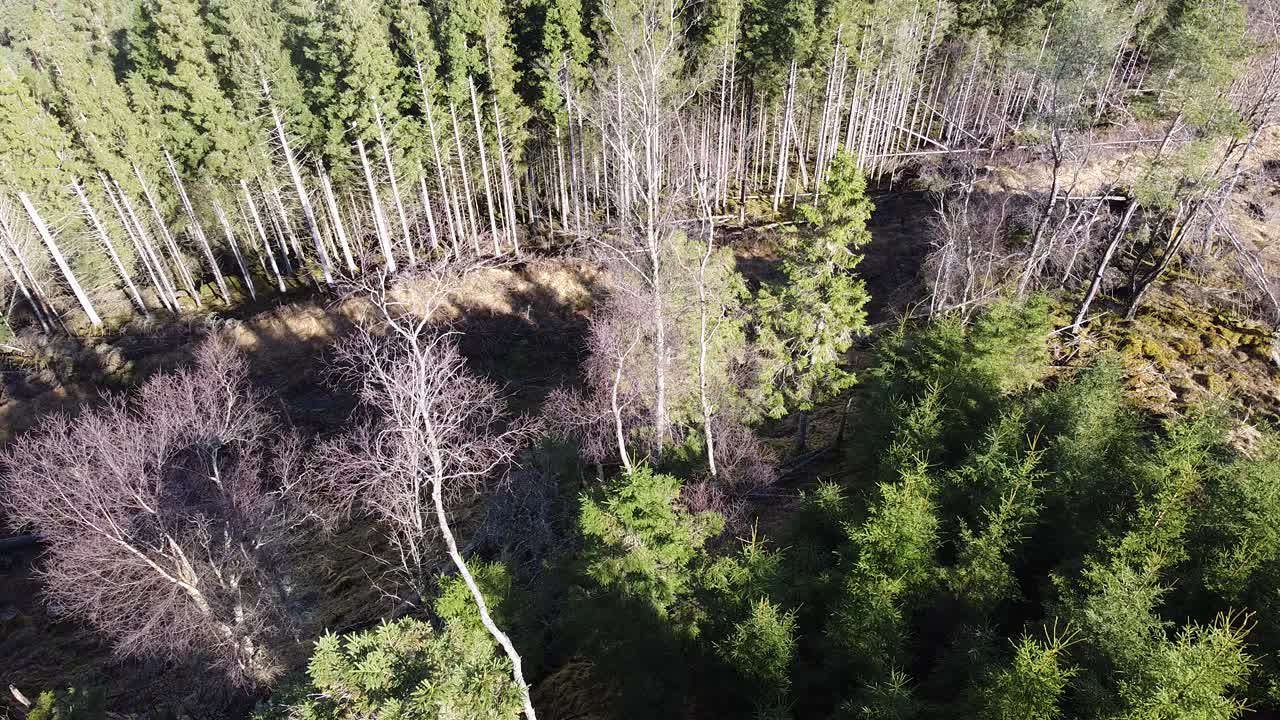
x=36, y=155
x=408, y=668
x=560, y=56
x=773, y=35
x=247, y=44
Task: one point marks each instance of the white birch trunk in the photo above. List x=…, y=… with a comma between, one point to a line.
x=395, y=185
x=262, y=235
x=379, y=220
x=235, y=249
x=484, y=167
x=197, y=230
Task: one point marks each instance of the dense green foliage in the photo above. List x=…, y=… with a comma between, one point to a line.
x=409, y=668
x=1014, y=544
x=1004, y=533
x=808, y=321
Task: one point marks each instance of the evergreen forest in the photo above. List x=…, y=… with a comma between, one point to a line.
x=613, y=359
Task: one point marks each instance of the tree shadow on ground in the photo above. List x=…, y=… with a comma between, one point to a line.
x=531, y=350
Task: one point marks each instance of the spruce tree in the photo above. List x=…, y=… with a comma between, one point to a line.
x=476, y=41
x=413, y=38
x=247, y=44
x=354, y=67
x=560, y=55
x=808, y=322
x=36, y=155
x=773, y=35
x=76, y=51
x=173, y=80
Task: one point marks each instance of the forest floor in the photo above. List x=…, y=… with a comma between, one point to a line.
x=525, y=327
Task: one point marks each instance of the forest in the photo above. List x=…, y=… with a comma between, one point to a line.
x=874, y=359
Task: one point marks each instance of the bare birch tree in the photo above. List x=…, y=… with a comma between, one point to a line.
x=434, y=434
x=168, y=517
x=60, y=260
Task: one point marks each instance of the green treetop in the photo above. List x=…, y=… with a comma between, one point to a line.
x=1196, y=52
x=408, y=668
x=173, y=80
x=36, y=154
x=350, y=50
x=73, y=44
x=807, y=323
x=640, y=543
x=475, y=40
x=562, y=53
x=773, y=34
x=246, y=43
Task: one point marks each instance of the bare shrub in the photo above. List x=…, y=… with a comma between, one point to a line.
x=970, y=259
x=519, y=519
x=612, y=416
x=168, y=517
x=709, y=496
x=744, y=461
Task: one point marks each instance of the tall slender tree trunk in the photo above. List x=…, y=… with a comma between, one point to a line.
x=284, y=229
x=23, y=278
x=176, y=254
x=395, y=186
x=235, y=249
x=103, y=238
x=308, y=213
x=60, y=260
x=379, y=219
x=703, y=341
x=18, y=282
x=141, y=251
x=262, y=235
x=432, y=234
x=335, y=218
x=484, y=167
x=451, y=220
x=197, y=230
x=466, y=182
x=510, y=208
x=783, y=137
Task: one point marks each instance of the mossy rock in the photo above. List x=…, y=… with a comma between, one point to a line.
x=1141, y=347
x=1187, y=347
